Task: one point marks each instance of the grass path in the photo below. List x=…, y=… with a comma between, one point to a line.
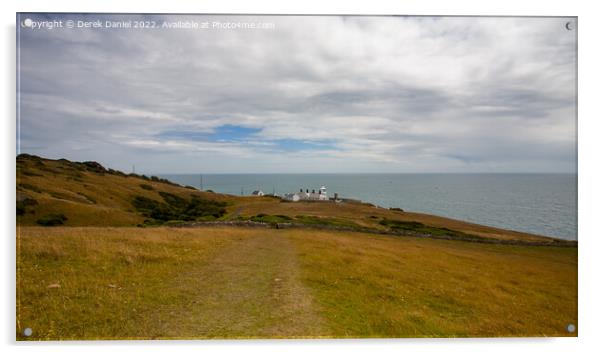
x=231, y=282
x=255, y=292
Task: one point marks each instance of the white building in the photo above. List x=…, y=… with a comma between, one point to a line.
x=293, y=197
x=307, y=195
x=258, y=193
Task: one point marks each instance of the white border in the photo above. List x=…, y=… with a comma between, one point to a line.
x=589, y=171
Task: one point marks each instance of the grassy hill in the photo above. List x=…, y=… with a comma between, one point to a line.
x=113, y=267
x=61, y=192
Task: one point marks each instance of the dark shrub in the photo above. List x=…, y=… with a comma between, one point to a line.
x=116, y=172
x=52, y=220
x=94, y=167
x=144, y=203
x=173, y=200
x=29, y=173
x=24, y=201
x=148, y=187
x=178, y=208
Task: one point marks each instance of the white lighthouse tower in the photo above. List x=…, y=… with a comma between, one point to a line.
x=322, y=193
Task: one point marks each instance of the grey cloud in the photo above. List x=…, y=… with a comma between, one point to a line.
x=392, y=94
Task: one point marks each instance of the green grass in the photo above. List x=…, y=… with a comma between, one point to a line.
x=302, y=219
x=271, y=219
x=420, y=228
x=316, y=220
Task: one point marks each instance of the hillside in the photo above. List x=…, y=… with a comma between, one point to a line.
x=115, y=266
x=68, y=193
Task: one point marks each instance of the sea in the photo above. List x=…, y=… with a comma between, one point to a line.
x=543, y=204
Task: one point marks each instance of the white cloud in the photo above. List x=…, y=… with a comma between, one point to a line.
x=387, y=94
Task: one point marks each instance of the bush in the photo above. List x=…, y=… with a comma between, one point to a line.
x=271, y=219
x=148, y=187
x=93, y=166
x=178, y=208
x=23, y=203
x=173, y=200
x=52, y=220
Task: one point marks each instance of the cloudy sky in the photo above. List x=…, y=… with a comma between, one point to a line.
x=306, y=94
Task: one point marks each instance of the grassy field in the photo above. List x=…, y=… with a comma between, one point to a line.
x=110, y=268
x=221, y=282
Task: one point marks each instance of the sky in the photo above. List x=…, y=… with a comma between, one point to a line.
x=301, y=94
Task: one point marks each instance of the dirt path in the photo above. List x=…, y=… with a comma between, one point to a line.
x=251, y=289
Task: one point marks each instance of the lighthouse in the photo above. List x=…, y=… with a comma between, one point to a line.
x=322, y=193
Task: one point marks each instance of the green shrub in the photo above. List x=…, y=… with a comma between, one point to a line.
x=271, y=219
x=420, y=228
x=173, y=200
x=148, y=187
x=52, y=220
x=177, y=208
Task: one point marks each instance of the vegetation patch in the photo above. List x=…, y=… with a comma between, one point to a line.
x=302, y=219
x=148, y=187
x=176, y=208
x=52, y=220
x=271, y=219
x=93, y=166
x=420, y=228
x=316, y=220
x=23, y=203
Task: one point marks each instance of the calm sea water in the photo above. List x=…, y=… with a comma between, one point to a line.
x=544, y=204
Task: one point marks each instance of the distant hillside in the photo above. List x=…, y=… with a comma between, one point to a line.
x=51, y=192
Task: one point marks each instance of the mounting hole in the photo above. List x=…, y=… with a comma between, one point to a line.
x=27, y=332
x=570, y=328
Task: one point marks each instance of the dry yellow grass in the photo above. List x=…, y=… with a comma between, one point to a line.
x=220, y=282
x=88, y=198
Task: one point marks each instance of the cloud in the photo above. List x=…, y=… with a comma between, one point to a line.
x=313, y=94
